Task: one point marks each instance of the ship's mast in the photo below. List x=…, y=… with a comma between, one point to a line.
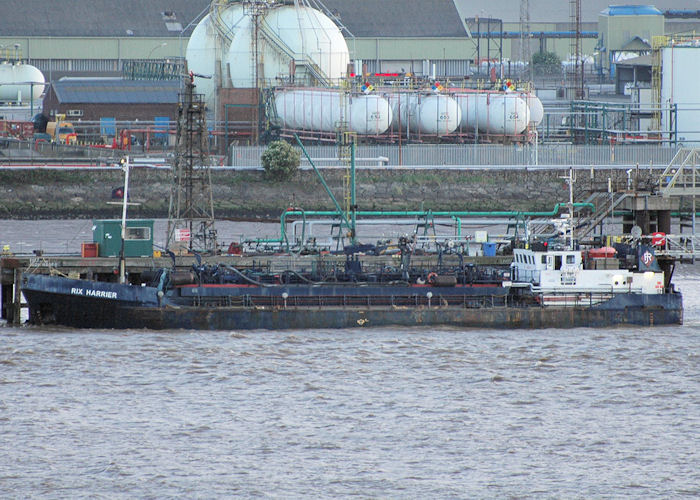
x=122, y=262
x=570, y=180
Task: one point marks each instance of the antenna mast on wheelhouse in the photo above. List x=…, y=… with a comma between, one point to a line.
x=191, y=209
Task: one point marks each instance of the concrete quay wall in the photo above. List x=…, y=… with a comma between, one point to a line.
x=32, y=194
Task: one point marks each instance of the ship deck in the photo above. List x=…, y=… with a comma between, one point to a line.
x=12, y=267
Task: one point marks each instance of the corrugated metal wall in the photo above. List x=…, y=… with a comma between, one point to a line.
x=483, y=155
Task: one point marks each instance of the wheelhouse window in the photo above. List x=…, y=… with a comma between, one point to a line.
x=571, y=259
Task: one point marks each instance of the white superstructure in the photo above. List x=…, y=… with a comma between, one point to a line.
x=561, y=272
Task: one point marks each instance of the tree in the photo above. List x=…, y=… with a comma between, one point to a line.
x=280, y=161
x=547, y=63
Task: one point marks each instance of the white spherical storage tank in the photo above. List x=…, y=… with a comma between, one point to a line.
x=206, y=48
x=285, y=34
x=20, y=83
x=493, y=113
x=321, y=110
x=430, y=114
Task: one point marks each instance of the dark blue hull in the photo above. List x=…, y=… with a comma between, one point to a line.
x=88, y=304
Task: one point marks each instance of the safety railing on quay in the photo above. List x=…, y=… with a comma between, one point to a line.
x=381, y=156
x=23, y=152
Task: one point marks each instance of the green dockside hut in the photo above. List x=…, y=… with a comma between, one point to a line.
x=137, y=243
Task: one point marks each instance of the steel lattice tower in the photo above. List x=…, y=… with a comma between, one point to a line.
x=191, y=202
x=577, y=80
x=525, y=52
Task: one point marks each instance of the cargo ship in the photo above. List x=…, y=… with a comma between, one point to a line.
x=545, y=287
x=546, y=284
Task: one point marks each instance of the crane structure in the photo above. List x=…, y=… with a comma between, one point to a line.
x=191, y=209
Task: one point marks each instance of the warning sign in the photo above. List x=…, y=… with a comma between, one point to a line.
x=182, y=235
x=658, y=239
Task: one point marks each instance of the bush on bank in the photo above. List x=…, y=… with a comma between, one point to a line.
x=280, y=161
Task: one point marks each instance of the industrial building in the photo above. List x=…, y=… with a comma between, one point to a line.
x=462, y=44
x=625, y=29
x=91, y=99
x=391, y=35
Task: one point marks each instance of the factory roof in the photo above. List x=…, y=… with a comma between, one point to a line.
x=162, y=18
x=398, y=18
x=364, y=18
x=644, y=60
x=116, y=91
x=636, y=44
x=81, y=18
x=551, y=11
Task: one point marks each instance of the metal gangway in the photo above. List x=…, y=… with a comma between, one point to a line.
x=681, y=178
x=681, y=247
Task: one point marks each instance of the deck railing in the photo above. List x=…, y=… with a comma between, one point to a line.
x=428, y=299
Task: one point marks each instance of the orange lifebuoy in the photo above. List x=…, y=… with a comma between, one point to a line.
x=431, y=277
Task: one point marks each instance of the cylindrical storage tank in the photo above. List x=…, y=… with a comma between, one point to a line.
x=285, y=34
x=369, y=114
x=403, y=110
x=308, y=109
x=679, y=96
x=206, y=48
x=493, y=113
x=432, y=114
x=535, y=106
x=20, y=83
x=320, y=110
x=438, y=115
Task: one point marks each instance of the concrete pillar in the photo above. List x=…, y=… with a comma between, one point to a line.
x=6, y=304
x=664, y=218
x=627, y=223
x=641, y=218
x=17, y=305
